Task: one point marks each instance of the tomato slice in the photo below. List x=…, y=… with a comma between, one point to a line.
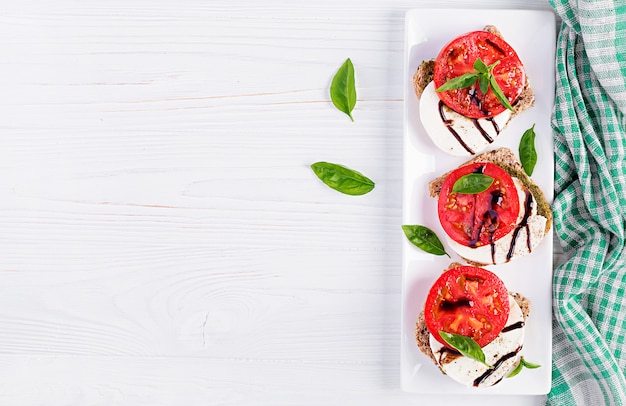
x=479, y=219
x=458, y=57
x=467, y=300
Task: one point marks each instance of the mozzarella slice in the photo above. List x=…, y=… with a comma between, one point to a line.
x=455, y=133
x=502, y=353
x=520, y=241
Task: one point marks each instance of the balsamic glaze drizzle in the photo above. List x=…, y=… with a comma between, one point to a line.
x=482, y=131
x=496, y=365
x=476, y=100
x=479, y=169
x=496, y=128
x=448, y=124
x=474, y=239
x=513, y=326
x=447, y=355
x=528, y=206
x=489, y=222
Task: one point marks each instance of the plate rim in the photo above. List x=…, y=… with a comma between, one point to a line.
x=407, y=92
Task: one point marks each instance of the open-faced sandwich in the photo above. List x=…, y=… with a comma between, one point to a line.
x=490, y=210
x=471, y=327
x=471, y=91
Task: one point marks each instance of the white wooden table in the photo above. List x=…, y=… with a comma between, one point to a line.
x=163, y=240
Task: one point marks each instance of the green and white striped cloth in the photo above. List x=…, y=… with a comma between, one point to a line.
x=589, y=125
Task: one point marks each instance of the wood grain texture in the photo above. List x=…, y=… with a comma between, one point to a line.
x=163, y=240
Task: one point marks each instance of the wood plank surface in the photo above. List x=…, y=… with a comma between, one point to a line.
x=163, y=240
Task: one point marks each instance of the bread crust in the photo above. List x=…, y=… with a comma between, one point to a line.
x=523, y=303
x=422, y=337
x=423, y=76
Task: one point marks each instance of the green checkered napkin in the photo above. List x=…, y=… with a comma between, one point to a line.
x=590, y=204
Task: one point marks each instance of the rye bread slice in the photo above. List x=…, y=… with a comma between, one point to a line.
x=506, y=159
x=422, y=334
x=424, y=75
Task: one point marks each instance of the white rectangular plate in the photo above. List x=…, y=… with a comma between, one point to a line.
x=532, y=34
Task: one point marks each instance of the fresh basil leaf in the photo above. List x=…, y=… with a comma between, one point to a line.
x=480, y=66
x=527, y=152
x=517, y=370
x=424, y=238
x=493, y=65
x=472, y=183
x=483, y=81
x=342, y=179
x=498, y=93
x=522, y=364
x=343, y=89
x=459, y=82
x=529, y=365
x=466, y=346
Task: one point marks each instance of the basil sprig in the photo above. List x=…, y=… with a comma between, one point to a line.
x=425, y=239
x=343, y=89
x=472, y=183
x=460, y=82
x=527, y=151
x=522, y=364
x=466, y=346
x=484, y=75
x=343, y=179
